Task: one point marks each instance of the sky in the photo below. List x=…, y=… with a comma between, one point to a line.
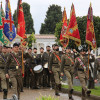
x=38, y=8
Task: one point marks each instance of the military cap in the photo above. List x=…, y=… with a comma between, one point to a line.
x=29, y=48
x=15, y=44
x=4, y=46
x=34, y=48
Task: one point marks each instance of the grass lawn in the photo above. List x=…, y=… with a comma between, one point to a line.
x=95, y=91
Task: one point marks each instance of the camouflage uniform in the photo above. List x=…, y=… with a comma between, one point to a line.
x=97, y=69
x=14, y=71
x=54, y=66
x=67, y=66
x=2, y=74
x=46, y=74
x=81, y=69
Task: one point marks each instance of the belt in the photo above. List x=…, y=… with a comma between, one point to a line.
x=12, y=67
x=81, y=70
x=68, y=65
x=2, y=68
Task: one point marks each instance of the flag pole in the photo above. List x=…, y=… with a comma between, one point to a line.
x=88, y=59
x=22, y=64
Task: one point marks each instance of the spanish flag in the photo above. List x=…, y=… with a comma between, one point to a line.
x=72, y=30
x=90, y=34
x=64, y=41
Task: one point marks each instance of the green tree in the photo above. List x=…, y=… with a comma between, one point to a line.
x=82, y=23
x=53, y=16
x=31, y=39
x=28, y=18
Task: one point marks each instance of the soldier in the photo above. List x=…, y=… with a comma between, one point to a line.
x=13, y=69
x=27, y=69
x=46, y=74
x=97, y=69
x=54, y=67
x=81, y=69
x=34, y=76
x=39, y=62
x=67, y=66
x=3, y=77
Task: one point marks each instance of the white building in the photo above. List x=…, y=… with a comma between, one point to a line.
x=42, y=40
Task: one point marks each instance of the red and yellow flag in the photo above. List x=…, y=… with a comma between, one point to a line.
x=21, y=21
x=72, y=30
x=90, y=34
x=64, y=41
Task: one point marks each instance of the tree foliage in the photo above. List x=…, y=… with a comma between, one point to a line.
x=82, y=23
x=31, y=39
x=28, y=18
x=53, y=16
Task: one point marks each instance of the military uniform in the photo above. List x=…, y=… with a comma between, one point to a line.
x=67, y=66
x=81, y=69
x=34, y=76
x=2, y=74
x=39, y=62
x=97, y=69
x=13, y=69
x=54, y=66
x=27, y=70
x=46, y=74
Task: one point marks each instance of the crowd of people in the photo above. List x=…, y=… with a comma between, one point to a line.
x=44, y=70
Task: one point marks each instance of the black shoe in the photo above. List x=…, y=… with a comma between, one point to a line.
x=57, y=94
x=71, y=98
x=35, y=87
x=88, y=93
x=21, y=90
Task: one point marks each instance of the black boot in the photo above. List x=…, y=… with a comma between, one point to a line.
x=57, y=90
x=88, y=93
x=5, y=94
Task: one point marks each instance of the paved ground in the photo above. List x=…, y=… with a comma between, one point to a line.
x=33, y=94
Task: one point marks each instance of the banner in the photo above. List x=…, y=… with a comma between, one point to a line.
x=90, y=34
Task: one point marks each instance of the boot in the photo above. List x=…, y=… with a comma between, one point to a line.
x=5, y=94
x=71, y=98
x=88, y=93
x=56, y=90
x=71, y=91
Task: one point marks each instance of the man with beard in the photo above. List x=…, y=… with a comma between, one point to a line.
x=45, y=64
x=81, y=71
x=54, y=67
x=67, y=66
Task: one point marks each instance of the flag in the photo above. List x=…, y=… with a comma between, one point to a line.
x=24, y=41
x=21, y=21
x=64, y=41
x=90, y=34
x=9, y=27
x=72, y=30
x=2, y=39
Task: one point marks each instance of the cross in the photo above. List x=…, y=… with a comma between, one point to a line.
x=93, y=42
x=10, y=21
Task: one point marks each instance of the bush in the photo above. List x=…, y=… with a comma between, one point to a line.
x=47, y=98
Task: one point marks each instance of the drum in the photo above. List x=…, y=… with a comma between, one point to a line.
x=45, y=65
x=38, y=69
